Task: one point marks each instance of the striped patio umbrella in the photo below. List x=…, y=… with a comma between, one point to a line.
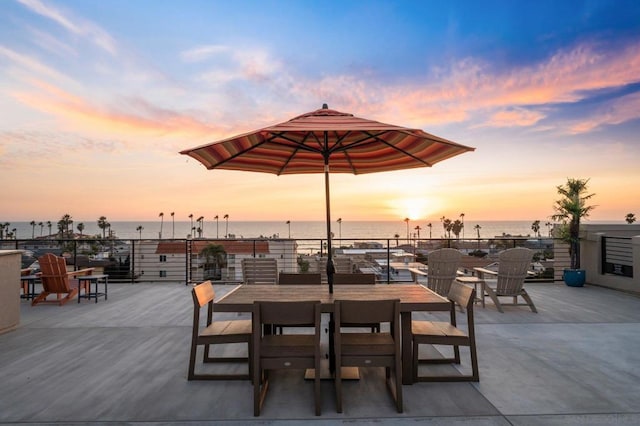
x=327, y=141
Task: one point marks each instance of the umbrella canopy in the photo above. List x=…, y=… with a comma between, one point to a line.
x=326, y=141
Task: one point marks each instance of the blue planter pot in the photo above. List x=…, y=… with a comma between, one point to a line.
x=574, y=277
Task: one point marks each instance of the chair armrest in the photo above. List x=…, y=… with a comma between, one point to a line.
x=482, y=271
x=85, y=271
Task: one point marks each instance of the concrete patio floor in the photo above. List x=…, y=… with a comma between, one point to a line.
x=124, y=361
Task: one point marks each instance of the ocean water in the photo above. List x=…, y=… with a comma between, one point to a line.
x=374, y=230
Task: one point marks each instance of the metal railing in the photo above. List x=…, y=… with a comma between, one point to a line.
x=193, y=260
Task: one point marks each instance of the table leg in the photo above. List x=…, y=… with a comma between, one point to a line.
x=407, y=356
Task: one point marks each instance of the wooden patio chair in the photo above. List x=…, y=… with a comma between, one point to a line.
x=443, y=267
x=447, y=333
x=216, y=333
x=513, y=269
x=357, y=349
x=357, y=279
x=284, y=351
x=260, y=270
x=286, y=278
x=56, y=280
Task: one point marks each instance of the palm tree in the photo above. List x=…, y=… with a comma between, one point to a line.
x=49, y=226
x=406, y=219
x=217, y=234
x=214, y=255
x=549, y=227
x=339, y=227
x=33, y=229
x=462, y=220
x=430, y=226
x=161, y=215
x=191, y=219
x=570, y=208
x=226, y=232
x=103, y=224
x=80, y=227
x=396, y=236
x=41, y=226
x=289, y=225
x=1, y=231
x=535, y=227
x=477, y=228
x=139, y=229
x=418, y=228
x=447, y=224
x=456, y=227
x=173, y=226
x=63, y=225
x=201, y=227
x=630, y=218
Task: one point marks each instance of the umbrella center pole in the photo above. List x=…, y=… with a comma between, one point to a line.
x=331, y=269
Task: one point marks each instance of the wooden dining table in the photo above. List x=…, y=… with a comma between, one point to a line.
x=413, y=298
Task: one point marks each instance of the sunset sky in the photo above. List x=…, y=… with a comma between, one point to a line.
x=97, y=98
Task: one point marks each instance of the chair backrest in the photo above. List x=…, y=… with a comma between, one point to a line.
x=260, y=270
x=367, y=312
x=286, y=278
x=341, y=279
x=443, y=266
x=464, y=296
x=301, y=313
x=54, y=273
x=202, y=294
x=512, y=270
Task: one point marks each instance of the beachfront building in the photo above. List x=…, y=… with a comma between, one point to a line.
x=167, y=260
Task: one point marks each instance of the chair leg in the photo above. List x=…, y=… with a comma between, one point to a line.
x=494, y=298
x=338, y=384
x=192, y=362
x=316, y=389
x=527, y=298
x=399, y=403
x=475, y=376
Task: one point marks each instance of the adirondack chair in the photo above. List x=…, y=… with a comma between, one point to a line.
x=443, y=267
x=56, y=280
x=512, y=270
x=260, y=270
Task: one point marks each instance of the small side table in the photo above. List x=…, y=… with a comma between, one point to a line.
x=475, y=281
x=28, y=284
x=93, y=280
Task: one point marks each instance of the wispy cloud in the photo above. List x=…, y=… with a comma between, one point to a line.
x=30, y=64
x=472, y=88
x=132, y=116
x=515, y=117
x=73, y=24
x=202, y=53
x=617, y=111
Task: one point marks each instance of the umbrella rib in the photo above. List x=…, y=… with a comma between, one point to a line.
x=300, y=145
x=371, y=138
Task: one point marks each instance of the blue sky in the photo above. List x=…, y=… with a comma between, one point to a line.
x=98, y=98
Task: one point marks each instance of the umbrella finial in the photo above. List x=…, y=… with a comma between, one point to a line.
x=325, y=106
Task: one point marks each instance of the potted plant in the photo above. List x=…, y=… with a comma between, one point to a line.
x=570, y=209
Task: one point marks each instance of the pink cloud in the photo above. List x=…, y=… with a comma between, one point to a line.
x=142, y=117
x=515, y=117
